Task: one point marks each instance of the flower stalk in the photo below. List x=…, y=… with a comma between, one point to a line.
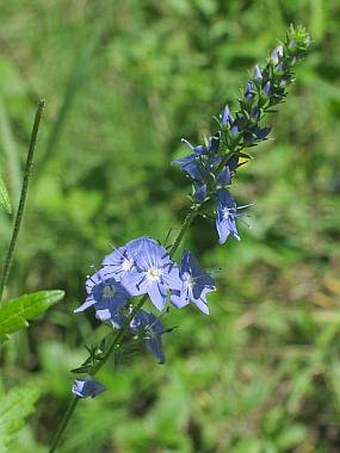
x=145, y=268
x=23, y=197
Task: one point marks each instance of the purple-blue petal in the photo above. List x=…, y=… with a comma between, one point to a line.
x=85, y=388
x=154, y=344
x=226, y=224
x=257, y=73
x=266, y=88
x=196, y=284
x=89, y=301
x=226, y=117
x=157, y=294
x=179, y=298
x=200, y=194
x=224, y=178
x=153, y=330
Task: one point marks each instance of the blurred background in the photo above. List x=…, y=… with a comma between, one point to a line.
x=124, y=81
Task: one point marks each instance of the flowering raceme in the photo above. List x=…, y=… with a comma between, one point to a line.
x=143, y=267
x=265, y=89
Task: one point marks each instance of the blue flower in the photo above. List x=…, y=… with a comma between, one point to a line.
x=227, y=120
x=262, y=133
x=201, y=193
x=154, y=273
x=233, y=163
x=83, y=388
x=148, y=325
x=226, y=116
x=266, y=88
x=106, y=294
x=201, y=165
x=227, y=215
x=224, y=178
x=277, y=54
x=152, y=329
x=117, y=320
x=257, y=73
x=121, y=261
x=193, y=166
x=214, y=143
x=196, y=284
x=256, y=113
x=248, y=92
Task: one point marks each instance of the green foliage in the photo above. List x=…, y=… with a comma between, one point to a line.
x=4, y=197
x=261, y=374
x=15, y=313
x=16, y=406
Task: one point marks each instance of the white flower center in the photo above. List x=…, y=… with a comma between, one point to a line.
x=226, y=213
x=153, y=273
x=109, y=291
x=127, y=264
x=189, y=282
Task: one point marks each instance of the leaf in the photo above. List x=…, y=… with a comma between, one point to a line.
x=16, y=405
x=15, y=313
x=4, y=197
x=9, y=146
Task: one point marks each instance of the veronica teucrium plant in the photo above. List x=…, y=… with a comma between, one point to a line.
x=139, y=280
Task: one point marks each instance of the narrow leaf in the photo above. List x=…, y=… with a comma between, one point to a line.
x=4, y=197
x=15, y=313
x=9, y=146
x=82, y=369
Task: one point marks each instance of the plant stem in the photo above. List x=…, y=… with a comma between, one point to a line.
x=63, y=424
x=193, y=211
x=119, y=335
x=23, y=196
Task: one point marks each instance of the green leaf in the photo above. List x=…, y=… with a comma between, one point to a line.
x=4, y=197
x=82, y=369
x=16, y=405
x=15, y=313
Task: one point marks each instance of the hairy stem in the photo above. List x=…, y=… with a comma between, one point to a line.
x=23, y=196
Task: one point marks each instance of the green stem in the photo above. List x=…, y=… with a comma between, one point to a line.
x=193, y=211
x=63, y=424
x=23, y=196
x=120, y=334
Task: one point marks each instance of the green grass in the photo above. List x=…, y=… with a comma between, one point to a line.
x=124, y=81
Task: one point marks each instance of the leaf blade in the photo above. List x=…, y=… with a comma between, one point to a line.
x=15, y=313
x=4, y=197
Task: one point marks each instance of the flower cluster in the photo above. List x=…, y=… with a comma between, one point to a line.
x=212, y=166
x=144, y=267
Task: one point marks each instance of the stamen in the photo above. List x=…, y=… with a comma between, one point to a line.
x=153, y=273
x=252, y=203
x=189, y=145
x=109, y=291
